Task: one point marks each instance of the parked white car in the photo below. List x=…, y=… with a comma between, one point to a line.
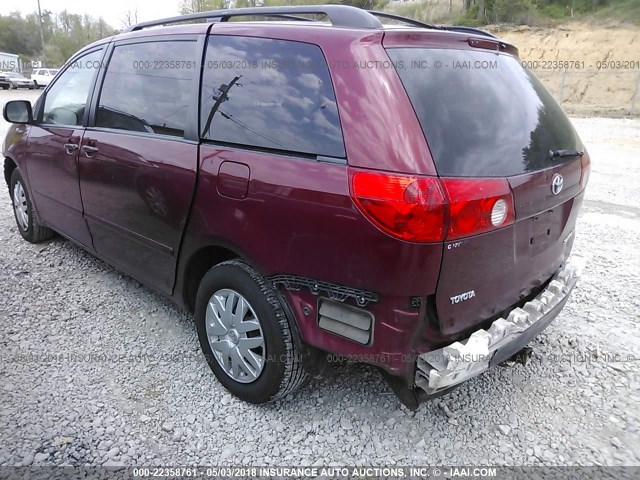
x=17, y=80
x=42, y=76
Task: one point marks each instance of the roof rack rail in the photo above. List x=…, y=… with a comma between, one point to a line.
x=400, y=18
x=339, y=15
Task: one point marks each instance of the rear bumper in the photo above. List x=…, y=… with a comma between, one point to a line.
x=446, y=367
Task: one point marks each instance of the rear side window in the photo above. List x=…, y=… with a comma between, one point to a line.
x=272, y=94
x=147, y=88
x=483, y=115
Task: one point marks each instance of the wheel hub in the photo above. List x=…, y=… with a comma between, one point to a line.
x=233, y=336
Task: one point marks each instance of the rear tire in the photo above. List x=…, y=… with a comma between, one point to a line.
x=271, y=339
x=26, y=220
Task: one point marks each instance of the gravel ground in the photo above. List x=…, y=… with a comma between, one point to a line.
x=96, y=369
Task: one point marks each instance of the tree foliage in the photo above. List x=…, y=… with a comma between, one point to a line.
x=64, y=34
x=193, y=6
x=480, y=12
x=190, y=6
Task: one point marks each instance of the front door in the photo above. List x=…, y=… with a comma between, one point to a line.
x=54, y=143
x=137, y=164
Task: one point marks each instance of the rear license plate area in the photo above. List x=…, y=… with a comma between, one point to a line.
x=544, y=230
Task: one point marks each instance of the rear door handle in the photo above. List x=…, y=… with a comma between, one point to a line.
x=71, y=147
x=89, y=150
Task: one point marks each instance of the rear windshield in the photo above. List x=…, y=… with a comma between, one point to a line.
x=482, y=113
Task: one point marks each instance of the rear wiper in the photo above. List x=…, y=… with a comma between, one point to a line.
x=565, y=153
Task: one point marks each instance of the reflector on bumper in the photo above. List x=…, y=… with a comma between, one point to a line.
x=455, y=363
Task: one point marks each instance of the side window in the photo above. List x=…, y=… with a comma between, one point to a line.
x=147, y=87
x=268, y=93
x=67, y=98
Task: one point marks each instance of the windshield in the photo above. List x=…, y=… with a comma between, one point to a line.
x=482, y=114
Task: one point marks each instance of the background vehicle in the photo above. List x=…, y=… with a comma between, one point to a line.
x=43, y=76
x=331, y=197
x=5, y=84
x=17, y=80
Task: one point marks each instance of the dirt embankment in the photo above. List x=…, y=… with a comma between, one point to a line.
x=591, y=68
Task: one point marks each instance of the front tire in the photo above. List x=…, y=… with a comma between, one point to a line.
x=245, y=334
x=26, y=220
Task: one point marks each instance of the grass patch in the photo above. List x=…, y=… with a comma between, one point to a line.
x=621, y=10
x=521, y=12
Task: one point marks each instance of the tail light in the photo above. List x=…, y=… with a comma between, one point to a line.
x=429, y=209
x=586, y=170
x=478, y=205
x=409, y=208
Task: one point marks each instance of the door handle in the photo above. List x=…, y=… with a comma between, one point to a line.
x=89, y=150
x=71, y=147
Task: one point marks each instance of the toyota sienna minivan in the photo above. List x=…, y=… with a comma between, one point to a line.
x=312, y=185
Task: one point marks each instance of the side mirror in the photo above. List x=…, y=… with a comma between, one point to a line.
x=17, y=111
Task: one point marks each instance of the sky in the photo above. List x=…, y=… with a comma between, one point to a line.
x=113, y=11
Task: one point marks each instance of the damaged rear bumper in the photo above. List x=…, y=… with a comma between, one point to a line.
x=446, y=367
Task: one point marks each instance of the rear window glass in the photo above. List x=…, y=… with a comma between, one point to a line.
x=272, y=94
x=483, y=114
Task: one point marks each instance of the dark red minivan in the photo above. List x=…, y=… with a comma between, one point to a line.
x=314, y=186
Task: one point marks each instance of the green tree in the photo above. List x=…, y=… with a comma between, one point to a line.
x=64, y=34
x=193, y=6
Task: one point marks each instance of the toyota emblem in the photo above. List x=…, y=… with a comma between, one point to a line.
x=557, y=182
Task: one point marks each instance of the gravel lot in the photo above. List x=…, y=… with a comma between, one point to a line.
x=97, y=369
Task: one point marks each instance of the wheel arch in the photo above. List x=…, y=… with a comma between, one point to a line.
x=198, y=264
x=9, y=166
x=201, y=260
